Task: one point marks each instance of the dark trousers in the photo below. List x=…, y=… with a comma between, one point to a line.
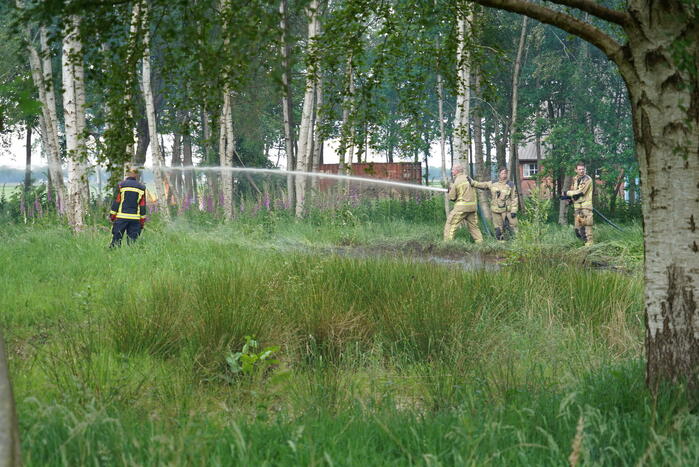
x=130, y=226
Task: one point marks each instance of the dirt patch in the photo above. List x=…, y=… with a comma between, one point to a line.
x=418, y=252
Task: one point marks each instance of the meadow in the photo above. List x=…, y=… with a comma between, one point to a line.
x=354, y=337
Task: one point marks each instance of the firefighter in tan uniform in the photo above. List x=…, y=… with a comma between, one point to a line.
x=503, y=204
x=464, y=196
x=580, y=194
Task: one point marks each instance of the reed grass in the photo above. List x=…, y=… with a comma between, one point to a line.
x=119, y=356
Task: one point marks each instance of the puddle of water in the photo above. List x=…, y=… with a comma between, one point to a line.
x=467, y=262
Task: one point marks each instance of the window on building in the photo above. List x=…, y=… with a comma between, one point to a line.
x=530, y=169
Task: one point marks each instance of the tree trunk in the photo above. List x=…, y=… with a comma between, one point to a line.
x=190, y=181
x=500, y=148
x=175, y=163
x=9, y=427
x=28, y=161
x=463, y=89
x=488, y=152
x=226, y=135
x=479, y=163
x=346, y=133
x=514, y=140
x=632, y=191
x=615, y=192
x=142, y=142
x=305, y=148
x=42, y=75
x=137, y=158
x=156, y=150
x=317, y=133
x=563, y=205
x=227, y=151
x=659, y=67
x=74, y=114
x=442, y=139
x=287, y=103
x=665, y=108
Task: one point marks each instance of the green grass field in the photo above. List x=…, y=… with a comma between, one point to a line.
x=7, y=189
x=378, y=355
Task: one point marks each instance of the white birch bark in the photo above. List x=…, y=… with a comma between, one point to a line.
x=514, y=155
x=227, y=151
x=137, y=23
x=287, y=103
x=442, y=139
x=317, y=137
x=227, y=136
x=74, y=115
x=304, y=155
x=156, y=150
x=664, y=95
x=49, y=125
x=347, y=134
x=463, y=96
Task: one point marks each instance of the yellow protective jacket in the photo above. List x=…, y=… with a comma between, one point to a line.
x=463, y=194
x=581, y=186
x=503, y=195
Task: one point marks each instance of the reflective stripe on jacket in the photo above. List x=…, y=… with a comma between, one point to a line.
x=130, y=201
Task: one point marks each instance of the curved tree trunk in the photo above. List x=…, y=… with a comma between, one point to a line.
x=665, y=104
x=658, y=64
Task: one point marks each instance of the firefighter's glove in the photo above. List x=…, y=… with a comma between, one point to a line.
x=579, y=195
x=112, y=217
x=565, y=198
x=513, y=215
x=142, y=221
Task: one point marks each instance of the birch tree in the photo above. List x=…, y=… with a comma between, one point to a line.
x=156, y=150
x=287, y=102
x=658, y=62
x=74, y=115
x=346, y=149
x=463, y=85
x=305, y=148
x=42, y=75
x=442, y=137
x=226, y=134
x=514, y=156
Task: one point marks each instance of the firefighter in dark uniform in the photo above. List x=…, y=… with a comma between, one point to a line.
x=128, y=213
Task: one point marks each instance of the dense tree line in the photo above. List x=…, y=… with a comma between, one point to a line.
x=233, y=82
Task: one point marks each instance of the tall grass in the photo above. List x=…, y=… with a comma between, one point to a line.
x=119, y=356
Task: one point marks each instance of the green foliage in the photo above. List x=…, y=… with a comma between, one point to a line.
x=251, y=363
